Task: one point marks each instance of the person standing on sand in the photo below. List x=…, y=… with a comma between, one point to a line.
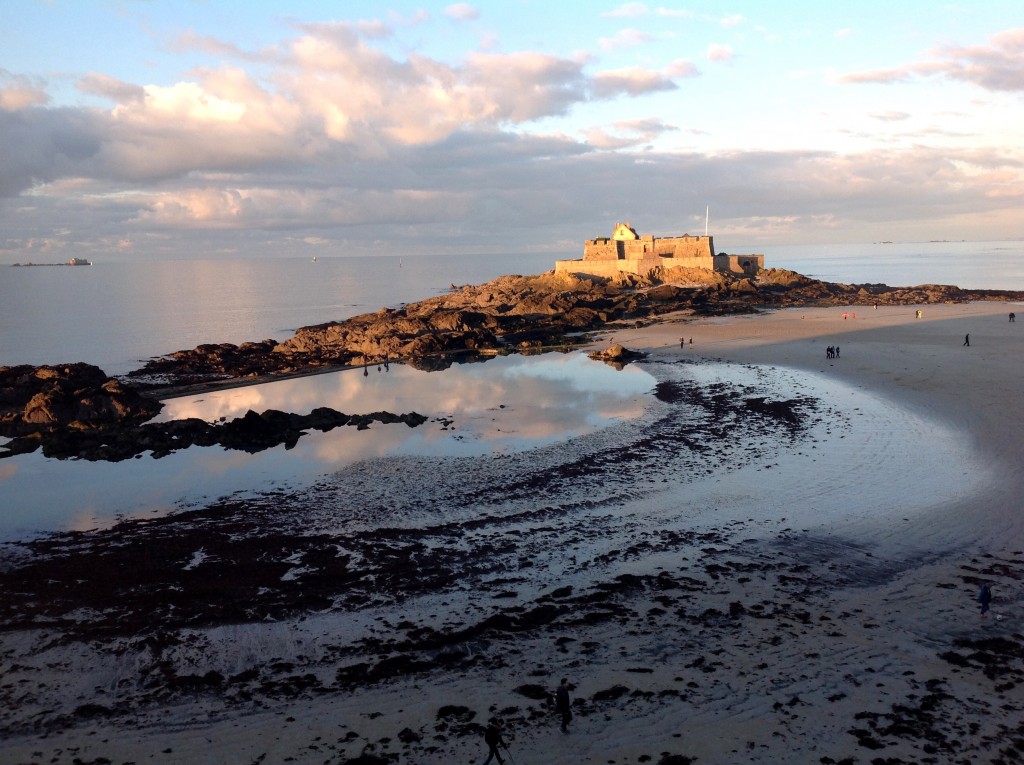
x=985, y=598
x=562, y=704
x=1013, y=317
x=492, y=737
x=967, y=340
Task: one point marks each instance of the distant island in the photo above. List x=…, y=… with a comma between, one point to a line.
x=72, y=262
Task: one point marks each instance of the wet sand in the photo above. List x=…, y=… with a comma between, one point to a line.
x=777, y=564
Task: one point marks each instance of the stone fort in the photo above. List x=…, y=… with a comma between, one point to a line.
x=625, y=251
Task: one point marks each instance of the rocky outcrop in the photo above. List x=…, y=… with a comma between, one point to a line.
x=254, y=432
x=78, y=397
x=75, y=402
x=616, y=356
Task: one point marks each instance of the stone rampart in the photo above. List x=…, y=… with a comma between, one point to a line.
x=628, y=252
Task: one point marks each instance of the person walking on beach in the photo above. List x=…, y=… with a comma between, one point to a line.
x=837, y=351
x=967, y=340
x=562, y=704
x=984, y=598
x=1013, y=317
x=493, y=739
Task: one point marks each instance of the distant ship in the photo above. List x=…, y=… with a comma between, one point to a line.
x=72, y=262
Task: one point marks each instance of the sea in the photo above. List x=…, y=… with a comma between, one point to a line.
x=118, y=314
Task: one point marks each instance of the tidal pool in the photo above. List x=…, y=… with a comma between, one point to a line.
x=508, y=404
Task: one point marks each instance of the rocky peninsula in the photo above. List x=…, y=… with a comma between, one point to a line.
x=75, y=410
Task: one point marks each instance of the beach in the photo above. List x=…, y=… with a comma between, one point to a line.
x=778, y=563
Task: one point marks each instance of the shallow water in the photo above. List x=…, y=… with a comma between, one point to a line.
x=507, y=404
x=863, y=461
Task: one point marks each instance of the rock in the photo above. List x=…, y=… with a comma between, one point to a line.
x=616, y=355
x=49, y=398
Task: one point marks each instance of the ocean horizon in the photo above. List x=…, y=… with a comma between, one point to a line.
x=118, y=314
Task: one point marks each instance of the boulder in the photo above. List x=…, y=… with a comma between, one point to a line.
x=49, y=398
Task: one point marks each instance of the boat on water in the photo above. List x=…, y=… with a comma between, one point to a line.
x=72, y=262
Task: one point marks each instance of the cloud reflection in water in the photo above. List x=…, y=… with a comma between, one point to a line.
x=506, y=404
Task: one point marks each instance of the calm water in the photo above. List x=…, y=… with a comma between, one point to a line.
x=972, y=265
x=116, y=315
x=505, y=405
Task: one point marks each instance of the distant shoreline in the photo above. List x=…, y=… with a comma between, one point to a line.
x=72, y=262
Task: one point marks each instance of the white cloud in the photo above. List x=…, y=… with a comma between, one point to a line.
x=20, y=92
x=625, y=38
x=628, y=10
x=332, y=135
x=681, y=68
x=998, y=66
x=116, y=90
x=891, y=116
x=462, y=12
x=720, y=52
x=632, y=81
x=628, y=133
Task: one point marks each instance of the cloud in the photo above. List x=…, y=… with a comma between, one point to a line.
x=627, y=134
x=462, y=12
x=632, y=81
x=327, y=94
x=99, y=84
x=636, y=10
x=628, y=10
x=625, y=38
x=681, y=68
x=284, y=209
x=734, y=20
x=190, y=40
x=998, y=66
x=719, y=53
x=19, y=91
x=40, y=145
x=476, y=192
x=332, y=138
x=891, y=116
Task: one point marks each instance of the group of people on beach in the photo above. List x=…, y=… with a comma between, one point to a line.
x=492, y=733
x=832, y=352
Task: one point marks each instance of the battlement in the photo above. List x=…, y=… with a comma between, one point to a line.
x=626, y=251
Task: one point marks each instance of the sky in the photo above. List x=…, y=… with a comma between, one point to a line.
x=140, y=129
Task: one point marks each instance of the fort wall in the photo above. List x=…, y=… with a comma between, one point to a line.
x=625, y=251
